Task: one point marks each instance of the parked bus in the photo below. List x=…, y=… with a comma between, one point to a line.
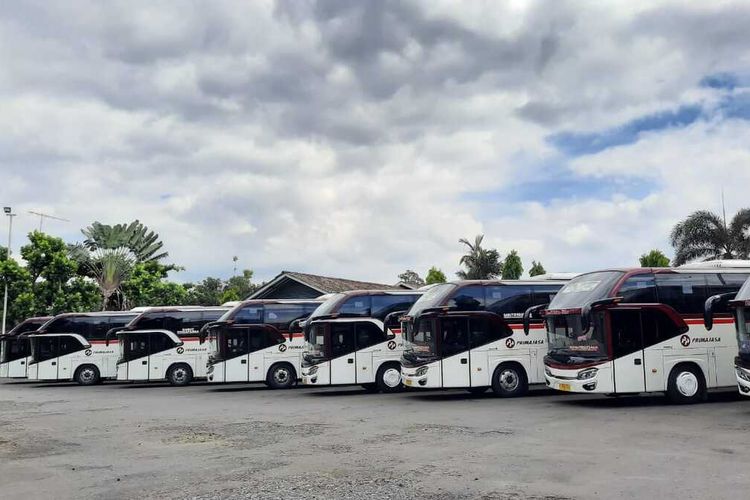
x=163, y=343
x=641, y=330
x=739, y=304
x=469, y=334
x=354, y=338
x=255, y=342
x=15, y=347
x=73, y=346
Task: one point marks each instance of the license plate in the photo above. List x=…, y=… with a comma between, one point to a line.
x=407, y=381
x=563, y=387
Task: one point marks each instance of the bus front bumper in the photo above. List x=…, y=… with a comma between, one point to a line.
x=422, y=377
x=595, y=379
x=743, y=380
x=319, y=374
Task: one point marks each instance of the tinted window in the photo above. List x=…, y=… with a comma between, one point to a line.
x=468, y=298
x=479, y=334
x=160, y=342
x=342, y=339
x=69, y=345
x=274, y=337
x=639, y=289
x=136, y=346
x=509, y=301
x=150, y=321
x=45, y=348
x=359, y=305
x=657, y=327
x=280, y=315
x=234, y=342
x=725, y=283
x=383, y=305
x=543, y=294
x=454, y=335
x=626, y=332
x=687, y=293
x=369, y=334
x=249, y=315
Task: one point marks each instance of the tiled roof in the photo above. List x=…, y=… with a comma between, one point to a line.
x=333, y=285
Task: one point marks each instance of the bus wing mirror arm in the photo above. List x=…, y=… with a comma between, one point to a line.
x=203, y=333
x=586, y=311
x=527, y=315
x=389, y=317
x=710, y=305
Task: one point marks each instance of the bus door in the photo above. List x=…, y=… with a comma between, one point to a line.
x=235, y=350
x=67, y=345
x=368, y=336
x=454, y=350
x=627, y=339
x=136, y=355
x=343, y=355
x=158, y=358
x=46, y=352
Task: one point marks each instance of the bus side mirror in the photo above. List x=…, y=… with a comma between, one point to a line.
x=586, y=311
x=710, y=306
x=391, y=321
x=110, y=333
x=527, y=316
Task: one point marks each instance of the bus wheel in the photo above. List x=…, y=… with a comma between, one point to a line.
x=87, y=375
x=686, y=385
x=477, y=390
x=281, y=376
x=388, y=378
x=509, y=380
x=179, y=375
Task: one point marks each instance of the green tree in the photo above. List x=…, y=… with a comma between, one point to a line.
x=208, y=292
x=147, y=285
x=512, y=267
x=435, y=275
x=411, y=278
x=142, y=243
x=705, y=235
x=109, y=268
x=20, y=295
x=537, y=269
x=480, y=263
x=238, y=287
x=655, y=258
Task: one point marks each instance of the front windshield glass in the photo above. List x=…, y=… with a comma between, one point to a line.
x=433, y=297
x=421, y=339
x=743, y=330
x=744, y=293
x=568, y=342
x=315, y=347
x=585, y=289
x=327, y=307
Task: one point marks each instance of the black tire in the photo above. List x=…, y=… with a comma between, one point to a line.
x=686, y=385
x=281, y=376
x=180, y=375
x=477, y=390
x=87, y=375
x=385, y=378
x=510, y=380
x=370, y=387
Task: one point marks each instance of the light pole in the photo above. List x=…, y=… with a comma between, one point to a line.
x=9, y=213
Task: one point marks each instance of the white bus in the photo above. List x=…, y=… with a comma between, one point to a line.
x=740, y=307
x=255, y=342
x=354, y=338
x=469, y=334
x=15, y=347
x=642, y=330
x=78, y=350
x=163, y=343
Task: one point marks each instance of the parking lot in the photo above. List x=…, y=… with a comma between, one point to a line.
x=127, y=441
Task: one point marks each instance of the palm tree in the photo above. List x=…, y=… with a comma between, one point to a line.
x=705, y=235
x=480, y=263
x=136, y=237
x=108, y=268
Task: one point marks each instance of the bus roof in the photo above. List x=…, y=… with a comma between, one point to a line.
x=278, y=301
x=180, y=309
x=532, y=281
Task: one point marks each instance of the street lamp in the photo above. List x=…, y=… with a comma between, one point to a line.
x=9, y=213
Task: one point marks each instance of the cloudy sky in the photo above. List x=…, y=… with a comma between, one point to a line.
x=358, y=139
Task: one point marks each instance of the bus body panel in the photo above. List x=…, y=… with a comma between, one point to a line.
x=742, y=376
x=154, y=367
x=104, y=358
x=428, y=376
x=254, y=366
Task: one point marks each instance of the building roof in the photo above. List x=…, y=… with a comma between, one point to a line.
x=322, y=284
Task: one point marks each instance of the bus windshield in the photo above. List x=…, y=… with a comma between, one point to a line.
x=743, y=330
x=421, y=339
x=433, y=297
x=326, y=307
x=585, y=289
x=744, y=292
x=569, y=344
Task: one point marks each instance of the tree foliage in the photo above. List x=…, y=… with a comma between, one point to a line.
x=537, y=269
x=512, y=266
x=435, y=275
x=480, y=263
x=411, y=278
x=147, y=285
x=109, y=268
x=655, y=258
x=215, y=291
x=144, y=244
x=705, y=235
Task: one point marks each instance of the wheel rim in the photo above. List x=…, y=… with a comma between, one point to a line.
x=509, y=380
x=392, y=377
x=179, y=375
x=281, y=376
x=687, y=384
x=87, y=375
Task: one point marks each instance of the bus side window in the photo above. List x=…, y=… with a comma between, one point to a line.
x=454, y=335
x=382, y=305
x=342, y=339
x=687, y=293
x=274, y=337
x=48, y=348
x=468, y=298
x=69, y=345
x=368, y=334
x=543, y=294
x=359, y=305
x=509, y=301
x=639, y=289
x=160, y=342
x=626, y=331
x=479, y=334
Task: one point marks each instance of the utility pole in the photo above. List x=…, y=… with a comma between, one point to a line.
x=43, y=216
x=235, y=259
x=9, y=213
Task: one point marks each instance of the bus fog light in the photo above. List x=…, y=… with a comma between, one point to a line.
x=421, y=371
x=423, y=382
x=314, y=380
x=313, y=370
x=587, y=374
x=590, y=386
x=742, y=374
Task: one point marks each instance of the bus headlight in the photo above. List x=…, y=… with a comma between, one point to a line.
x=313, y=370
x=421, y=371
x=587, y=374
x=547, y=372
x=742, y=374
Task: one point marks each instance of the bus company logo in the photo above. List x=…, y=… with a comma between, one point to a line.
x=510, y=343
x=180, y=350
x=701, y=340
x=186, y=331
x=88, y=352
x=392, y=345
x=282, y=347
x=530, y=342
x=685, y=341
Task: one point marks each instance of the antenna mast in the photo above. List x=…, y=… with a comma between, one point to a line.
x=43, y=216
